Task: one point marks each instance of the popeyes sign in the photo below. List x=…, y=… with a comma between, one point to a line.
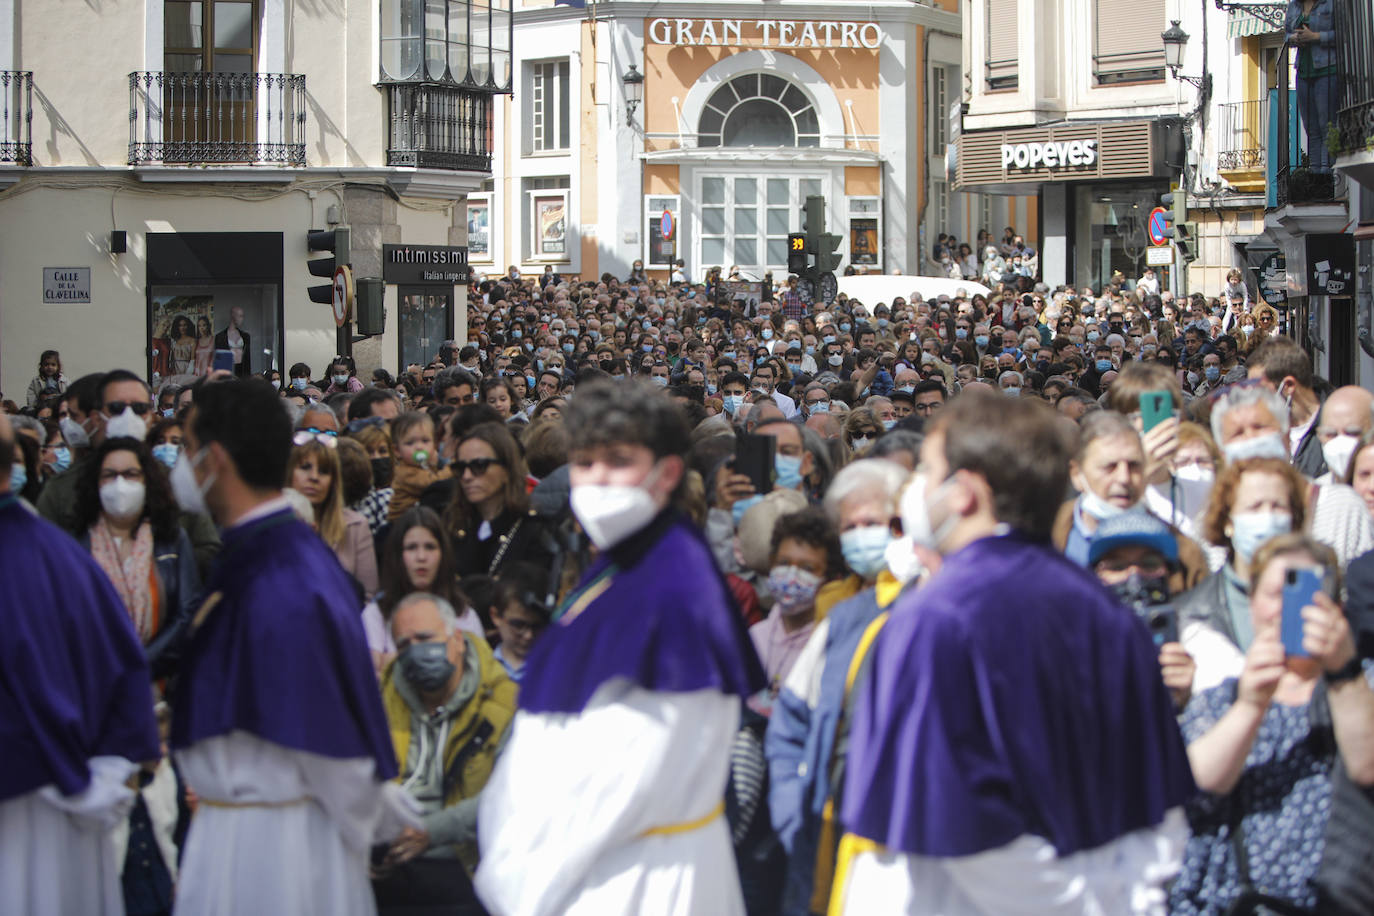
x=764, y=33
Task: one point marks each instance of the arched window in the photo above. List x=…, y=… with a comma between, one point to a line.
x=758, y=109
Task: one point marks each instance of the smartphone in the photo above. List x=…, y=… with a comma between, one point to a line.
x=1299, y=588
x=1155, y=408
x=754, y=455
x=1162, y=622
x=224, y=359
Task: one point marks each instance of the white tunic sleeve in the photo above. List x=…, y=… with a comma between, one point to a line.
x=562, y=821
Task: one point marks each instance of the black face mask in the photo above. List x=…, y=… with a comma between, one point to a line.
x=382, y=470
x=1140, y=592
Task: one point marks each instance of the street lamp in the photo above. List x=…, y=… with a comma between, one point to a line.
x=634, y=93
x=1175, y=40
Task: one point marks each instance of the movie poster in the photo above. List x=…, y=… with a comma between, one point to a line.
x=183, y=335
x=551, y=225
x=479, y=228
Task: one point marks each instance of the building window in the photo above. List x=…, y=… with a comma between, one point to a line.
x=1002, y=39
x=549, y=106
x=939, y=207
x=447, y=41
x=1127, y=48
x=209, y=36
x=546, y=223
x=939, y=115
x=759, y=109
x=745, y=219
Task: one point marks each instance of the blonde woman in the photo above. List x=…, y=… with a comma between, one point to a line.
x=314, y=472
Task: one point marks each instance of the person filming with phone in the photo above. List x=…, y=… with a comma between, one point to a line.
x=1284, y=753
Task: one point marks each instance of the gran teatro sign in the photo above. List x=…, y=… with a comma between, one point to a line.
x=764, y=33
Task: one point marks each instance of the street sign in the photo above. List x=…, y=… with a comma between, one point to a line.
x=343, y=294
x=1156, y=226
x=1159, y=257
x=665, y=224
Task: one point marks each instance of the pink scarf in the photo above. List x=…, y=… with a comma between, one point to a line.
x=133, y=577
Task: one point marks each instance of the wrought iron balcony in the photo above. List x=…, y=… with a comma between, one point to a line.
x=16, y=117
x=1355, y=31
x=216, y=118
x=1303, y=151
x=1241, y=131
x=439, y=127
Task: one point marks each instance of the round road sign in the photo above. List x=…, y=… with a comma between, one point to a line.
x=1157, y=216
x=665, y=224
x=343, y=294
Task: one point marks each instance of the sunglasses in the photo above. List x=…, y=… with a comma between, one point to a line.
x=478, y=466
x=363, y=423
x=115, y=408
x=326, y=437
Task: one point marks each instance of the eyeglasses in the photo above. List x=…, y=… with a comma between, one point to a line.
x=326, y=437
x=133, y=474
x=115, y=408
x=478, y=466
x=523, y=627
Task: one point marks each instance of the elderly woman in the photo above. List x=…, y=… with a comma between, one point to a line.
x=1263, y=748
x=800, y=742
x=861, y=429
x=1252, y=421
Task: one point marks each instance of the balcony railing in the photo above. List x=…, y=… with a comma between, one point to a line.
x=439, y=127
x=1355, y=34
x=16, y=117
x=1241, y=130
x=216, y=118
x=1304, y=112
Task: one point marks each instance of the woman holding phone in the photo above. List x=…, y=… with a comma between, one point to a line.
x=1264, y=748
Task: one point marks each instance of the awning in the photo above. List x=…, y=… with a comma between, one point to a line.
x=1243, y=24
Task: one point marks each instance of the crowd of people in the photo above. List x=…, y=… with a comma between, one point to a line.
x=643, y=599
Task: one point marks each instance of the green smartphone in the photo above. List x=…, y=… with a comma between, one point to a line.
x=1155, y=408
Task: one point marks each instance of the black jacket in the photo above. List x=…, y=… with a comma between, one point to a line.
x=222, y=343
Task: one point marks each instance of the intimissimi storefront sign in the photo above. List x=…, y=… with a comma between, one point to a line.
x=764, y=33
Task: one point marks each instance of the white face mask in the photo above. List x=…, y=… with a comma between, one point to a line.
x=914, y=509
x=189, y=494
x=128, y=424
x=122, y=498
x=610, y=513
x=1269, y=445
x=901, y=559
x=74, y=433
x=1338, y=453
x=1099, y=508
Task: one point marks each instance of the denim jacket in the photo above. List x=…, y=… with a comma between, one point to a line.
x=1322, y=20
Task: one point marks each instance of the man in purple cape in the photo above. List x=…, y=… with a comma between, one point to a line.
x=1014, y=749
x=277, y=720
x=76, y=716
x=608, y=798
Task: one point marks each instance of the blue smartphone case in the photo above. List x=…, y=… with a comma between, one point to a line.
x=1299, y=588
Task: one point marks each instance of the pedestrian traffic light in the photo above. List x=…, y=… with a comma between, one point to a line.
x=796, y=254
x=1182, y=233
x=335, y=241
x=1185, y=241
x=370, y=314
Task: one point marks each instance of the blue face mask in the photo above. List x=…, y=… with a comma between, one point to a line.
x=568, y=349
x=298, y=384
x=865, y=549
x=647, y=348
x=529, y=383
x=767, y=333
x=759, y=361
x=788, y=471
x=1212, y=372
x=166, y=453
x=19, y=478
x=729, y=354
x=888, y=424
x=646, y=324
x=1103, y=365
x=829, y=338
x=820, y=407
x=844, y=327
x=1092, y=336
x=517, y=334
x=711, y=389
x=733, y=402
x=981, y=340
x=961, y=333
x=882, y=322
x=811, y=350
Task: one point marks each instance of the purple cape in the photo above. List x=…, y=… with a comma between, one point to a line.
x=283, y=655
x=73, y=680
x=1012, y=695
x=665, y=621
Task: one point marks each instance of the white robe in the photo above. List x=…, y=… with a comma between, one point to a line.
x=56, y=852
x=562, y=820
x=304, y=858
x=1125, y=877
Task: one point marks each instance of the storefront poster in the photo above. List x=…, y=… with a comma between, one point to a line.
x=551, y=225
x=183, y=338
x=863, y=241
x=479, y=229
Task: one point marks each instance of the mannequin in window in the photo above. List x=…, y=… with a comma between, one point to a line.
x=236, y=339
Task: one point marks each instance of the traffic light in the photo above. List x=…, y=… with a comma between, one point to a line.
x=1176, y=227
x=335, y=241
x=796, y=254
x=1185, y=241
x=367, y=306
x=822, y=249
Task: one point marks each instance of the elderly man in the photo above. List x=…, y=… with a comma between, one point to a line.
x=1108, y=471
x=1253, y=423
x=449, y=705
x=1010, y=383
x=278, y=724
x=1078, y=808
x=1345, y=419
x=76, y=717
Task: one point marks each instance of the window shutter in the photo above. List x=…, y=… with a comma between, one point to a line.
x=1128, y=47
x=1001, y=45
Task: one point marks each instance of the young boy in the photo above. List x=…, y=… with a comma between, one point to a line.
x=413, y=433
